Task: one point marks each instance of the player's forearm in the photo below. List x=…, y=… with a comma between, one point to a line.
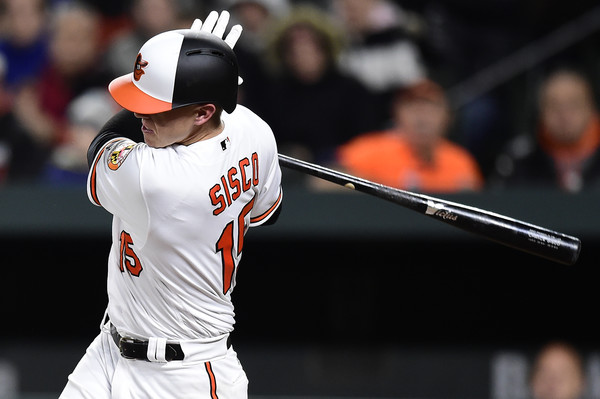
x=122, y=124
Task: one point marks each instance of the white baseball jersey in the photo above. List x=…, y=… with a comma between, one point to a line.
x=179, y=218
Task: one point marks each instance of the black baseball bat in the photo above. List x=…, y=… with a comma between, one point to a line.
x=536, y=240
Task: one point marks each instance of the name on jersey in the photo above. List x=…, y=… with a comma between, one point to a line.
x=239, y=179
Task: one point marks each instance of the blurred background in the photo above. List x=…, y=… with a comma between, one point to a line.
x=491, y=104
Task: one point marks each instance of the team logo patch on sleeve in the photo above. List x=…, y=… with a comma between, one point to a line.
x=118, y=155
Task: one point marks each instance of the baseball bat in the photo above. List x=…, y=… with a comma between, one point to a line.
x=536, y=240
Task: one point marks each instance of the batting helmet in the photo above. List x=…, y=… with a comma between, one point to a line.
x=178, y=68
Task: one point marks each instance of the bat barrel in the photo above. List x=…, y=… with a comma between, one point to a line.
x=511, y=232
x=536, y=240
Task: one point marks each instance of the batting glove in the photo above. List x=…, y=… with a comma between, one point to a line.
x=216, y=24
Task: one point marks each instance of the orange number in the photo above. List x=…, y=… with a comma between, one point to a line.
x=226, y=244
x=128, y=258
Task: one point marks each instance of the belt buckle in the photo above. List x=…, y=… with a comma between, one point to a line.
x=124, y=353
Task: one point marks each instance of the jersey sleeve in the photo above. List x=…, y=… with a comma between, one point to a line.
x=114, y=181
x=270, y=194
x=269, y=198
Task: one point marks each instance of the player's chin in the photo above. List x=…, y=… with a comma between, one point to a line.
x=150, y=139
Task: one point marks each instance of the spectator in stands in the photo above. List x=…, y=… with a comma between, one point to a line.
x=23, y=42
x=558, y=372
x=383, y=52
x=315, y=106
x=256, y=17
x=148, y=18
x=74, y=66
x=86, y=114
x=564, y=151
x=20, y=159
x=414, y=154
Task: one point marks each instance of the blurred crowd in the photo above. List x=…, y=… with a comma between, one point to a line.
x=363, y=86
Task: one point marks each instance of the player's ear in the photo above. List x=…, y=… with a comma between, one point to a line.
x=203, y=113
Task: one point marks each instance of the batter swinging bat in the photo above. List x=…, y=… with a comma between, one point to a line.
x=514, y=233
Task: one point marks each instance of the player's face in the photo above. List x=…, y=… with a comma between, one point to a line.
x=183, y=125
x=557, y=376
x=423, y=121
x=567, y=108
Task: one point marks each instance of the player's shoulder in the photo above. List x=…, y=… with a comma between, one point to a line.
x=243, y=114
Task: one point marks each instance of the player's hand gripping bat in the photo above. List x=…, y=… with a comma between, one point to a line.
x=514, y=233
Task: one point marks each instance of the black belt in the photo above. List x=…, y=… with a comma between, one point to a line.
x=136, y=349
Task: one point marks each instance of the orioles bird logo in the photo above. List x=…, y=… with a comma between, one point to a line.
x=137, y=69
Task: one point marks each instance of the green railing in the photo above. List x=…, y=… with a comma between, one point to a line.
x=35, y=210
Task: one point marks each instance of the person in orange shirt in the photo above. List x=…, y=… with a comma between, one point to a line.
x=415, y=153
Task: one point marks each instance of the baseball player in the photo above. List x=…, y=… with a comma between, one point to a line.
x=182, y=198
